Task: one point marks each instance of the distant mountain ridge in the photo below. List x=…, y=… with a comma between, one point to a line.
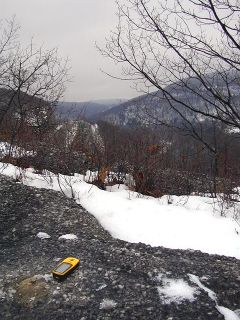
x=154, y=107
x=90, y=110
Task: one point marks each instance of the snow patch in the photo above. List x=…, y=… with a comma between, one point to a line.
x=43, y=235
x=227, y=313
x=107, y=304
x=68, y=236
x=192, y=222
x=176, y=290
x=6, y=149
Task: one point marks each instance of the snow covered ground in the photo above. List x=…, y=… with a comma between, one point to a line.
x=13, y=151
x=174, y=222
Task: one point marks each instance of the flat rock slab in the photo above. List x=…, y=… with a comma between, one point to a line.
x=115, y=279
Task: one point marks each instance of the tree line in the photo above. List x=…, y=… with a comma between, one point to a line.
x=158, y=44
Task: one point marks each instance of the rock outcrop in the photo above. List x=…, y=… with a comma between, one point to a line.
x=115, y=279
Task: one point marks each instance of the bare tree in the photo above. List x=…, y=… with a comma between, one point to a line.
x=183, y=46
x=31, y=82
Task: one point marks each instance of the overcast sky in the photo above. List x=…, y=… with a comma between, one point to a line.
x=73, y=26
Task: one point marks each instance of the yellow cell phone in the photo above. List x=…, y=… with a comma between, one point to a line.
x=65, y=267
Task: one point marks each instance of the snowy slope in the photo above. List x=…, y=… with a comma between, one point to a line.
x=187, y=223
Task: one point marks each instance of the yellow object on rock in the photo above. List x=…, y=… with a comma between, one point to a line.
x=65, y=267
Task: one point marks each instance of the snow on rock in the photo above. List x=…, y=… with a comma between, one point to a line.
x=68, y=236
x=227, y=313
x=43, y=235
x=107, y=304
x=192, y=222
x=176, y=290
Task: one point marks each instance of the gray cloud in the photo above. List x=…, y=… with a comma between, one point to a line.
x=73, y=26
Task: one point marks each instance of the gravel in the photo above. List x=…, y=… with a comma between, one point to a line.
x=115, y=279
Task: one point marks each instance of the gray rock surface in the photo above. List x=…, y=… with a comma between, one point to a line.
x=115, y=279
